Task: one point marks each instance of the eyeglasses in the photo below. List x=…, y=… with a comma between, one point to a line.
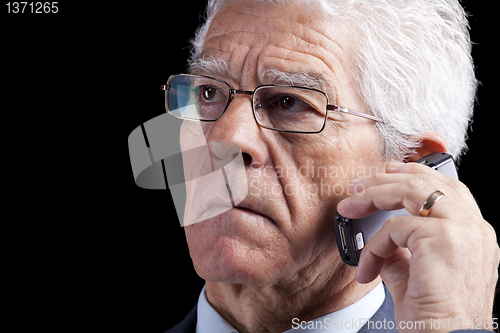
x=275, y=107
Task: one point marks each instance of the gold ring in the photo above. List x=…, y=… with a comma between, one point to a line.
x=431, y=200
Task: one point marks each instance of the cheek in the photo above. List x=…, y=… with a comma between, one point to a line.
x=322, y=169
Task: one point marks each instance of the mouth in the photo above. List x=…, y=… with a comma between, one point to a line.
x=252, y=210
x=213, y=211
x=243, y=211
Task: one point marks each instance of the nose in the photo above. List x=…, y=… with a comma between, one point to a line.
x=237, y=126
x=223, y=152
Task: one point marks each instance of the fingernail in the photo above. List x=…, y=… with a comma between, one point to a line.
x=356, y=186
x=394, y=166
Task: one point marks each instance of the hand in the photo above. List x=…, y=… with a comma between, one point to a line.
x=451, y=271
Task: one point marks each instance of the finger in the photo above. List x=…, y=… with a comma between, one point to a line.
x=360, y=185
x=398, y=172
x=410, y=195
x=410, y=190
x=371, y=265
x=430, y=175
x=390, y=245
x=414, y=169
x=424, y=171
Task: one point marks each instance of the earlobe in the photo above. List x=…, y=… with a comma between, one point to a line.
x=429, y=142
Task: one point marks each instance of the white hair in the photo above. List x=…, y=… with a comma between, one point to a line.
x=411, y=62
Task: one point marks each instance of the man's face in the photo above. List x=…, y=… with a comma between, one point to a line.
x=284, y=228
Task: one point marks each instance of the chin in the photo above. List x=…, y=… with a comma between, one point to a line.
x=223, y=254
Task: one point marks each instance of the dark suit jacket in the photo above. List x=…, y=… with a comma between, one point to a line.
x=386, y=312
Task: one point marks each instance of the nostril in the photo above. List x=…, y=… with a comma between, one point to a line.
x=247, y=159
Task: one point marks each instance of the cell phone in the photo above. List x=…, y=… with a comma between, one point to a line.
x=353, y=234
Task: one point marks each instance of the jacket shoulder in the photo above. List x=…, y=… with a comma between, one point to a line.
x=383, y=321
x=186, y=325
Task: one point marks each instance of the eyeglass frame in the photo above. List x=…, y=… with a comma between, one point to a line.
x=232, y=92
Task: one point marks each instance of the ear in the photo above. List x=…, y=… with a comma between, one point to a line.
x=430, y=142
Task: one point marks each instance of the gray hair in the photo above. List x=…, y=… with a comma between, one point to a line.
x=412, y=65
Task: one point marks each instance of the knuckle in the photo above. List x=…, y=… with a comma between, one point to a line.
x=416, y=182
x=497, y=254
x=490, y=243
x=394, y=221
x=426, y=177
x=455, y=239
x=458, y=185
x=489, y=234
x=448, y=232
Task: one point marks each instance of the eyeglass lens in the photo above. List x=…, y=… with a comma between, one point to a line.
x=275, y=107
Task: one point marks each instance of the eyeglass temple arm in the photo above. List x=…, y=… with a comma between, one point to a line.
x=353, y=112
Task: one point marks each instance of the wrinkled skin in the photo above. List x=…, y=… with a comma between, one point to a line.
x=275, y=257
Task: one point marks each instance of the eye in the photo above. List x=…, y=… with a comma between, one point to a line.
x=287, y=102
x=208, y=93
x=290, y=103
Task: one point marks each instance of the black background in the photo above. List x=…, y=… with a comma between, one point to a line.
x=75, y=84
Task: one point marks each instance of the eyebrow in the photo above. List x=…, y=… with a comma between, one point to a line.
x=211, y=66
x=312, y=79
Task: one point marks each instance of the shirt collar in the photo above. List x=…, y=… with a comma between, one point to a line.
x=347, y=320
x=209, y=320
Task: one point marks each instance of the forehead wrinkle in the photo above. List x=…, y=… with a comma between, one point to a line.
x=302, y=41
x=313, y=79
x=310, y=27
x=227, y=41
x=272, y=44
x=284, y=34
x=308, y=75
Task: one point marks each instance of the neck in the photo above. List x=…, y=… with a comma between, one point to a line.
x=272, y=307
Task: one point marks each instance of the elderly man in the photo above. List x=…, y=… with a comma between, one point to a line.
x=274, y=77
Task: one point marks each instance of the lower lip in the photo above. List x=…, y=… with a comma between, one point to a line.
x=216, y=211
x=249, y=211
